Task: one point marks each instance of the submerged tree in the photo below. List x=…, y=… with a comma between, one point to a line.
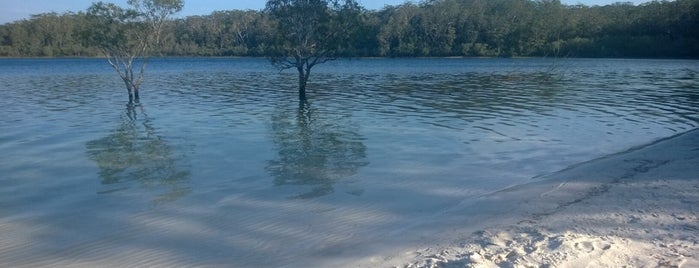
x=126, y=36
x=309, y=32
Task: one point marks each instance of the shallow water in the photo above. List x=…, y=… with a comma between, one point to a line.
x=220, y=165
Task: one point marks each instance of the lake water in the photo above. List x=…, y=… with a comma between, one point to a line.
x=221, y=165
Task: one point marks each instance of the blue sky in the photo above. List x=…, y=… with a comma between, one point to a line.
x=11, y=10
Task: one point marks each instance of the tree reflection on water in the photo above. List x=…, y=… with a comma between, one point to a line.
x=314, y=151
x=135, y=152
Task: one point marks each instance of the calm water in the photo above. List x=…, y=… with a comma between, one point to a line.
x=220, y=165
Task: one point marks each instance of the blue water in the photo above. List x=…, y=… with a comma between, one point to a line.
x=221, y=165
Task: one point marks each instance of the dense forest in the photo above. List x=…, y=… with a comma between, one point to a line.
x=494, y=28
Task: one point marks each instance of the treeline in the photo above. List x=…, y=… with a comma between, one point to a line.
x=497, y=28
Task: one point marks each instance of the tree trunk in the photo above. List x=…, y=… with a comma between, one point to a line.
x=303, y=78
x=129, y=90
x=137, y=98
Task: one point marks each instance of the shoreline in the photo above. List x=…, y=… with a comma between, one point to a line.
x=637, y=208
x=357, y=58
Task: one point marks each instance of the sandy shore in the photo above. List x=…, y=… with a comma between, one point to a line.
x=638, y=208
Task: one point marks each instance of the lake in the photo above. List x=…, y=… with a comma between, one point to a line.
x=220, y=165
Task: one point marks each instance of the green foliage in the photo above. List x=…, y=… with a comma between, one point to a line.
x=124, y=35
x=309, y=32
x=114, y=30
x=302, y=29
x=311, y=29
x=501, y=28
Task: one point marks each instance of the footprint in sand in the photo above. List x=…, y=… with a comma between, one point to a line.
x=592, y=246
x=584, y=251
x=585, y=246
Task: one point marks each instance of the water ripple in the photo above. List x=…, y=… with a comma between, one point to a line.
x=221, y=165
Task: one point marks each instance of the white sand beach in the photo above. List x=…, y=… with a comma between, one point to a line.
x=638, y=208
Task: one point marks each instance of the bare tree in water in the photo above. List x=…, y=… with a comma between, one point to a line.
x=126, y=36
x=310, y=32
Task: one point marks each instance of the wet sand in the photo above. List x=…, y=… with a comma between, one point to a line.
x=638, y=208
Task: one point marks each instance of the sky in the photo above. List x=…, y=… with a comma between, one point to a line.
x=12, y=10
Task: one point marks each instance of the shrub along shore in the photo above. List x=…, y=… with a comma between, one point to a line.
x=436, y=28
